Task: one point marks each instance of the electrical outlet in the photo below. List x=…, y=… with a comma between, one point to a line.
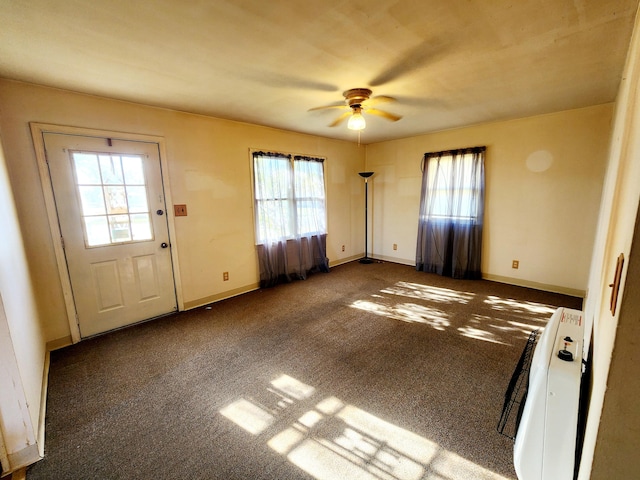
x=343, y=248
x=225, y=276
x=395, y=246
x=180, y=210
x=515, y=264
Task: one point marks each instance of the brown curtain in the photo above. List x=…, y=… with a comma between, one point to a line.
x=292, y=259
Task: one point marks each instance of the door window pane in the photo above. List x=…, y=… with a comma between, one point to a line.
x=87, y=169
x=137, y=199
x=92, y=200
x=120, y=228
x=113, y=198
x=116, y=199
x=97, y=231
x=133, y=171
x=111, y=170
x=141, y=226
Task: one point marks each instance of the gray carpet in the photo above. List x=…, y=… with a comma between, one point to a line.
x=370, y=371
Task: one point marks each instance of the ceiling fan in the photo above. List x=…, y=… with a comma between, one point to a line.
x=359, y=101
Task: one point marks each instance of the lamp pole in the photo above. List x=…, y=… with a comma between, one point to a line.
x=366, y=176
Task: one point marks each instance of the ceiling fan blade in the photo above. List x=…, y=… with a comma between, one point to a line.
x=381, y=113
x=415, y=58
x=379, y=99
x=340, y=119
x=325, y=107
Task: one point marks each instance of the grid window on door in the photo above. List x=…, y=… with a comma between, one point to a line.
x=113, y=198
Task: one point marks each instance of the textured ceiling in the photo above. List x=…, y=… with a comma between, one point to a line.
x=448, y=63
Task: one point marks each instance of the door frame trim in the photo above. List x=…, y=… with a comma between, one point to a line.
x=38, y=130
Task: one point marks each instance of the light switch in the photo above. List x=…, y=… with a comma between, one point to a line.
x=180, y=210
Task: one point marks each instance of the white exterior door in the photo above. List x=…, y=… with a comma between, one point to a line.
x=112, y=215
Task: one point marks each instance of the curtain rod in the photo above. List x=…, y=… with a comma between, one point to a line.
x=456, y=151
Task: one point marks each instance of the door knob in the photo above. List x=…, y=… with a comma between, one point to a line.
x=164, y=245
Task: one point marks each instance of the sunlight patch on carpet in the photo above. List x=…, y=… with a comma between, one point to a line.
x=479, y=334
x=432, y=311
x=518, y=306
x=406, y=312
x=429, y=293
x=246, y=414
x=333, y=440
x=255, y=415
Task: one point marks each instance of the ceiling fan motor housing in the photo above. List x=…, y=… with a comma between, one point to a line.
x=356, y=96
x=355, y=99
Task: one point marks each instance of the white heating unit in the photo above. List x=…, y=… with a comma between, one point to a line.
x=545, y=443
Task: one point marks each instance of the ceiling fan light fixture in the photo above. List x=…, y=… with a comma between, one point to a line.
x=357, y=100
x=356, y=121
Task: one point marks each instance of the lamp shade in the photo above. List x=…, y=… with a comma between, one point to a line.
x=356, y=121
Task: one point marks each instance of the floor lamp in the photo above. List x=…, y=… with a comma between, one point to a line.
x=366, y=175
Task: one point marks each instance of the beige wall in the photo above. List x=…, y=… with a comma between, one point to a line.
x=546, y=219
x=209, y=171
x=619, y=208
x=22, y=347
x=616, y=450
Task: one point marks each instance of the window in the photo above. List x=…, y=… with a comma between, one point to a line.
x=289, y=196
x=451, y=213
x=113, y=198
x=453, y=187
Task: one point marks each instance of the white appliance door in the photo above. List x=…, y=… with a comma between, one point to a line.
x=545, y=444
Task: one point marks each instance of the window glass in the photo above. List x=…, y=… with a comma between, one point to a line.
x=113, y=198
x=120, y=228
x=137, y=199
x=452, y=193
x=111, y=170
x=116, y=199
x=289, y=197
x=92, y=200
x=97, y=230
x=87, y=169
x=133, y=171
x=141, y=226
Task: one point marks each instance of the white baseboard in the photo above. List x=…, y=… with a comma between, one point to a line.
x=43, y=403
x=400, y=261
x=23, y=458
x=220, y=296
x=342, y=261
x=519, y=282
x=59, y=343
